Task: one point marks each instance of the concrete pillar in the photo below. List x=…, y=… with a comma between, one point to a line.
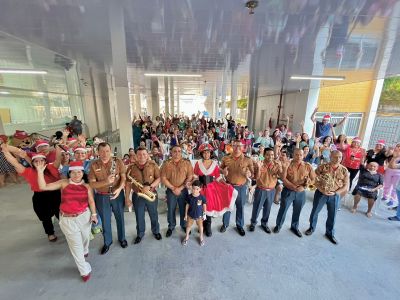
x=216, y=106
x=148, y=97
x=178, y=109
x=223, y=93
x=2, y=131
x=166, y=97
x=172, y=96
x=119, y=66
x=234, y=94
x=253, y=89
x=155, y=101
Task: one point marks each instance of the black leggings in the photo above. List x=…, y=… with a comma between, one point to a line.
x=353, y=174
x=46, y=205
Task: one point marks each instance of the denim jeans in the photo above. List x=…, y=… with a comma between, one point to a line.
x=105, y=206
x=287, y=198
x=262, y=200
x=240, y=201
x=172, y=201
x=139, y=204
x=332, y=204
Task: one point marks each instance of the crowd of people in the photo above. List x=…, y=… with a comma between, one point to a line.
x=208, y=168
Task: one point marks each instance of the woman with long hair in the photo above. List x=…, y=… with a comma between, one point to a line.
x=77, y=212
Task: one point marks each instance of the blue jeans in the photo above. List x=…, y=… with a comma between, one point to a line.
x=172, y=201
x=262, y=200
x=287, y=198
x=240, y=201
x=332, y=204
x=105, y=206
x=139, y=204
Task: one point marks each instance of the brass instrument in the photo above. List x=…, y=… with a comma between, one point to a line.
x=148, y=195
x=309, y=184
x=112, y=169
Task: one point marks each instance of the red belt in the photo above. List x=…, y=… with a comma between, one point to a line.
x=71, y=215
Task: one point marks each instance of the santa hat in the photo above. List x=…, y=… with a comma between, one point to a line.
x=205, y=147
x=38, y=155
x=381, y=142
x=357, y=140
x=20, y=134
x=41, y=143
x=71, y=139
x=326, y=117
x=80, y=148
x=75, y=165
x=289, y=132
x=4, y=138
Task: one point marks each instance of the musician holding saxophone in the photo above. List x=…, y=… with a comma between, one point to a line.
x=332, y=183
x=143, y=177
x=107, y=178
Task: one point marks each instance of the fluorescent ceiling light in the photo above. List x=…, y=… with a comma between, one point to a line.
x=307, y=77
x=172, y=75
x=22, y=71
x=39, y=93
x=4, y=93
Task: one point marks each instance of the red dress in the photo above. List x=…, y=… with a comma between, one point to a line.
x=220, y=196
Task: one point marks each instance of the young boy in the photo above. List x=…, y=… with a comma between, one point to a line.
x=195, y=211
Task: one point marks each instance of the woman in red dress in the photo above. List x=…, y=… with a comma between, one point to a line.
x=220, y=196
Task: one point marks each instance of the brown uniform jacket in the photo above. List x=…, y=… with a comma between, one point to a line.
x=145, y=175
x=237, y=168
x=340, y=177
x=99, y=172
x=297, y=173
x=177, y=173
x=267, y=175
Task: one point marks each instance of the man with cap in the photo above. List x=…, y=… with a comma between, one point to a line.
x=146, y=172
x=237, y=168
x=176, y=173
x=324, y=128
x=107, y=176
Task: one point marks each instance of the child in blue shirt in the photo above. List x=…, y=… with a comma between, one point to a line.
x=195, y=211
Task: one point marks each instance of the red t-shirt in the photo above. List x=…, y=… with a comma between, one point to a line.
x=357, y=153
x=51, y=174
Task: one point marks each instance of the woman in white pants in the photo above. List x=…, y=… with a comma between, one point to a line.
x=77, y=212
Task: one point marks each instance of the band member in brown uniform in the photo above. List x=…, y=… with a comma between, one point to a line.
x=147, y=173
x=108, y=174
x=267, y=175
x=236, y=167
x=175, y=174
x=332, y=182
x=296, y=177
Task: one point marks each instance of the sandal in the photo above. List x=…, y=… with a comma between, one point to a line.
x=184, y=242
x=369, y=215
x=353, y=210
x=201, y=242
x=52, y=239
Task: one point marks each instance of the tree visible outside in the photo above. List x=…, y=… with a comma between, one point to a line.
x=390, y=97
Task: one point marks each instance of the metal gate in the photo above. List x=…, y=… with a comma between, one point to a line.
x=385, y=128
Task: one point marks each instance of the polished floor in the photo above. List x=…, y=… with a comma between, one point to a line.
x=365, y=265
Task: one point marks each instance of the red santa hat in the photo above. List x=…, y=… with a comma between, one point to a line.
x=38, y=155
x=20, y=134
x=80, y=148
x=71, y=139
x=4, y=138
x=205, y=147
x=40, y=143
x=356, y=139
x=381, y=142
x=75, y=165
x=326, y=117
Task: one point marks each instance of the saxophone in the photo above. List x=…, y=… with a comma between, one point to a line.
x=112, y=169
x=148, y=195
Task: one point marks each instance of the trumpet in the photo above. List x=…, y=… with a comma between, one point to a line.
x=149, y=196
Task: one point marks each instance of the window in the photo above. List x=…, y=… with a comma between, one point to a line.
x=351, y=127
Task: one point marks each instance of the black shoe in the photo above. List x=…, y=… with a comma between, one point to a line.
x=104, y=250
x=276, y=229
x=251, y=227
x=137, y=240
x=169, y=233
x=208, y=233
x=241, y=231
x=123, y=243
x=296, y=232
x=222, y=229
x=395, y=218
x=158, y=236
x=266, y=229
x=331, y=238
x=309, y=231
